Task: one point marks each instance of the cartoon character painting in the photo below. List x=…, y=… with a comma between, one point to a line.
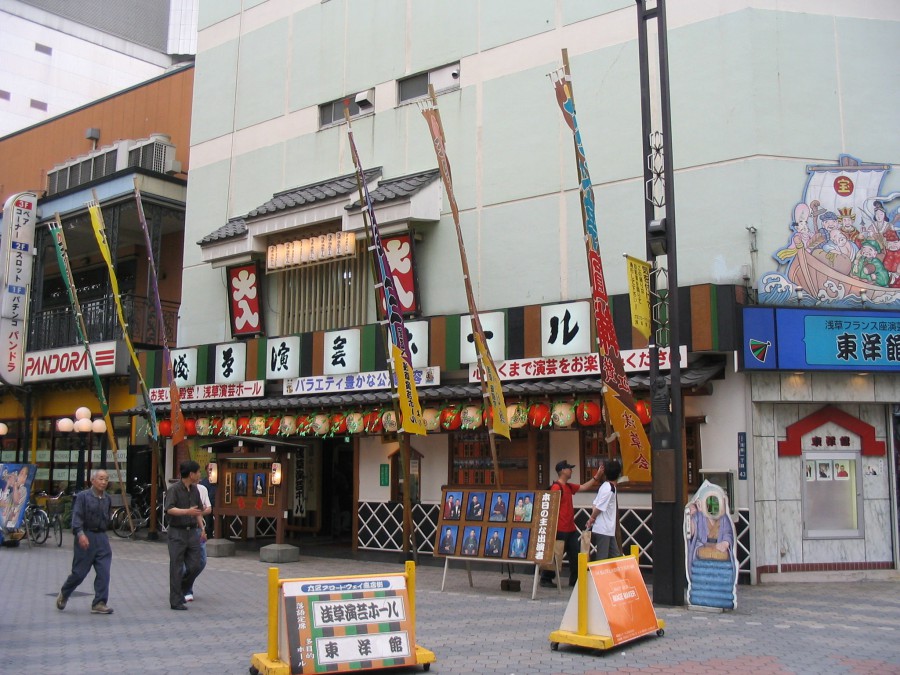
x=843, y=249
x=711, y=562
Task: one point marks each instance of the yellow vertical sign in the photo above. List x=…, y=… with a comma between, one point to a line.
x=639, y=294
x=493, y=387
x=411, y=419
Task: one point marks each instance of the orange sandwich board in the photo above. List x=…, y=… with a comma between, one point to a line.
x=609, y=606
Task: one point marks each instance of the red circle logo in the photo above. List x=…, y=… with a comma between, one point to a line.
x=843, y=186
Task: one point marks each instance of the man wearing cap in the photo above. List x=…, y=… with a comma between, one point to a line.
x=868, y=267
x=566, y=531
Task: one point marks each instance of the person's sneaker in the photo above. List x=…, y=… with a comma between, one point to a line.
x=181, y=606
x=101, y=608
x=188, y=597
x=61, y=601
x=548, y=583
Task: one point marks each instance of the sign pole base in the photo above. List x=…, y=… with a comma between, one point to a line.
x=261, y=664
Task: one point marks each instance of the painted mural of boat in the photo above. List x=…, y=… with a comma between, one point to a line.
x=849, y=184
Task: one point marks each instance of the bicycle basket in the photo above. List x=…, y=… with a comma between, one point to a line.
x=55, y=507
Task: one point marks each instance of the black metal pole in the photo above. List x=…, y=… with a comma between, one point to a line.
x=666, y=427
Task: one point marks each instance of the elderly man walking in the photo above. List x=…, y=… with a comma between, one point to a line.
x=90, y=520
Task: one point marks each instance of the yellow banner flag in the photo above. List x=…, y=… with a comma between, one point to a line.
x=493, y=387
x=411, y=420
x=639, y=294
x=632, y=438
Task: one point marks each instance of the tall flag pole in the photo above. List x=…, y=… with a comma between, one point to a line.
x=491, y=387
x=633, y=443
x=65, y=269
x=178, y=432
x=99, y=228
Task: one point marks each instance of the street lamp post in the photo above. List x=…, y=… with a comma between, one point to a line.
x=82, y=425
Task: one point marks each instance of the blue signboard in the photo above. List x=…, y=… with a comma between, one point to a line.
x=806, y=339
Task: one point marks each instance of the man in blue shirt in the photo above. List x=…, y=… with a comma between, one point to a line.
x=90, y=520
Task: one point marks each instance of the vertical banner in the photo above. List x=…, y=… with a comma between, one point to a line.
x=410, y=410
x=490, y=380
x=633, y=443
x=244, y=291
x=639, y=293
x=16, y=260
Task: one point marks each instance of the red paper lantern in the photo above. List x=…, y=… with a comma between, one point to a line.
x=243, y=425
x=373, y=422
x=539, y=415
x=339, y=423
x=643, y=411
x=302, y=424
x=272, y=424
x=450, y=419
x=215, y=425
x=165, y=427
x=190, y=426
x=588, y=413
x=487, y=414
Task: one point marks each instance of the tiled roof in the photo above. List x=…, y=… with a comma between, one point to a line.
x=329, y=189
x=308, y=194
x=400, y=187
x=706, y=368
x=233, y=228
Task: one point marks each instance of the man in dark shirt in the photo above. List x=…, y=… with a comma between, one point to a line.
x=185, y=513
x=90, y=520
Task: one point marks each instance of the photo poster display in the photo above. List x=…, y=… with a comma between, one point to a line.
x=340, y=625
x=619, y=605
x=508, y=524
x=15, y=491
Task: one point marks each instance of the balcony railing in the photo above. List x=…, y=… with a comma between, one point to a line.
x=53, y=328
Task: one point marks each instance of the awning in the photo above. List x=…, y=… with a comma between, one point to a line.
x=705, y=368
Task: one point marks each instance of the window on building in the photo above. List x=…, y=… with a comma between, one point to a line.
x=416, y=86
x=415, y=476
x=333, y=112
x=38, y=105
x=325, y=296
x=832, y=495
x=43, y=49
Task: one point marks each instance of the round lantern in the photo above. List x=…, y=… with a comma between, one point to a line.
x=430, y=417
x=203, y=426
x=588, y=413
x=287, y=425
x=229, y=426
x=539, y=415
x=517, y=414
x=321, y=424
x=373, y=422
x=470, y=417
x=243, y=425
x=450, y=419
x=355, y=422
x=389, y=420
x=258, y=425
x=487, y=414
x=643, y=411
x=215, y=426
x=339, y=423
x=272, y=424
x=562, y=415
x=190, y=426
x=302, y=425
x=165, y=427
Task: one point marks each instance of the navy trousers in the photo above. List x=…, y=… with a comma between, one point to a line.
x=99, y=556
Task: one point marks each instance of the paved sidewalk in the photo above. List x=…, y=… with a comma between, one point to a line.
x=777, y=628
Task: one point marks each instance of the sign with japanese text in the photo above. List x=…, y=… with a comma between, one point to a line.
x=347, y=624
x=566, y=329
x=67, y=363
x=494, y=326
x=16, y=261
x=184, y=366
x=231, y=363
x=636, y=360
x=506, y=524
x=398, y=250
x=624, y=598
x=378, y=379
x=212, y=392
x=805, y=339
x=244, y=308
x=417, y=339
x=283, y=357
x=341, y=352
x=639, y=293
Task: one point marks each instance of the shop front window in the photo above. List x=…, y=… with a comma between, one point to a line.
x=832, y=495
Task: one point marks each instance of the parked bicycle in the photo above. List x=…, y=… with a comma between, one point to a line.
x=55, y=509
x=37, y=523
x=140, y=513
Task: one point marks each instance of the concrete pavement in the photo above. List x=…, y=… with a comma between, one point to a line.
x=777, y=628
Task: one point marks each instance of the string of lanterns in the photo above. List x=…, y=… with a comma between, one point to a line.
x=450, y=417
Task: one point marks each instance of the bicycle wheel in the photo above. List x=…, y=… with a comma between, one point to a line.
x=122, y=526
x=40, y=527
x=57, y=530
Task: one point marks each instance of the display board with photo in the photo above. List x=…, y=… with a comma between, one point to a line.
x=497, y=524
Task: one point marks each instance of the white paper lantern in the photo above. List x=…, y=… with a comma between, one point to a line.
x=432, y=419
x=471, y=417
x=389, y=420
x=562, y=414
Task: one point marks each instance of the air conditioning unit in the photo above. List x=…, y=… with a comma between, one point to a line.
x=155, y=154
x=365, y=99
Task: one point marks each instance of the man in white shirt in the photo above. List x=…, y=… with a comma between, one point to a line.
x=603, y=514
